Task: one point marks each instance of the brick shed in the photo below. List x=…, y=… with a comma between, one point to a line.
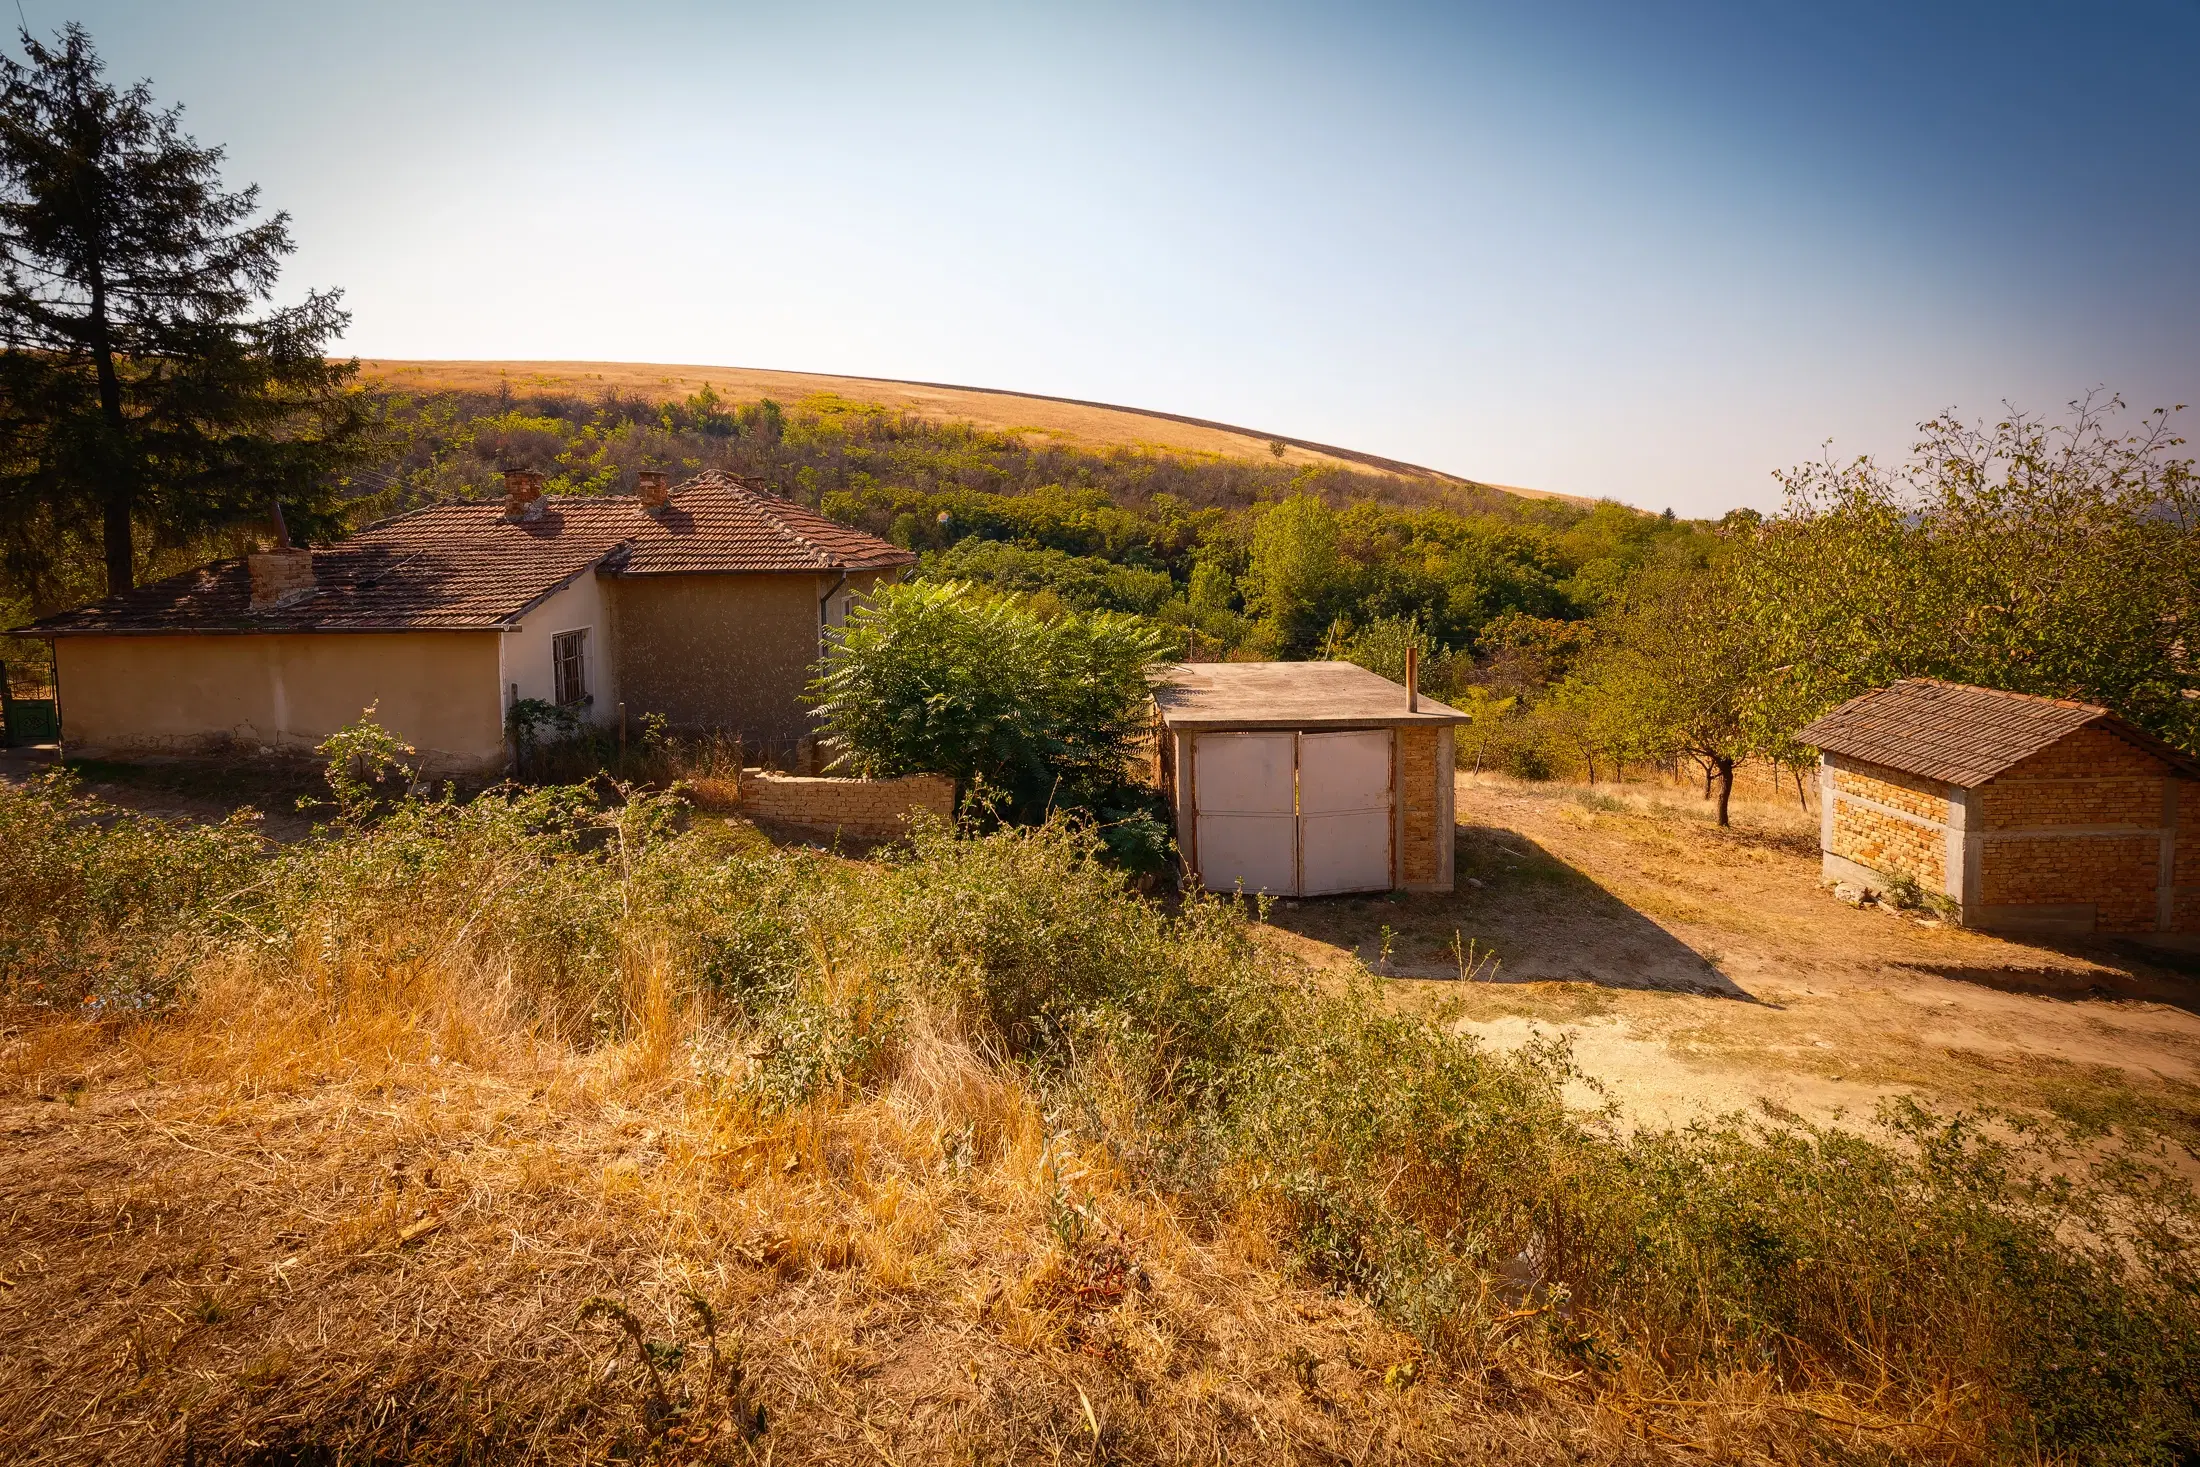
x=2029, y=814
x=1306, y=778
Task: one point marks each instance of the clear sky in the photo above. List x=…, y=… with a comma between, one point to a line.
x=1646, y=250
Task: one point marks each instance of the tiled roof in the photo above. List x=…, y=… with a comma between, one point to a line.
x=456, y=567
x=1961, y=734
x=719, y=523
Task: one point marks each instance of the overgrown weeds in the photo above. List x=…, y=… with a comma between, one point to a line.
x=983, y=1058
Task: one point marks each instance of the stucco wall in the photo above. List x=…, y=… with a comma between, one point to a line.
x=728, y=652
x=124, y=696
x=526, y=657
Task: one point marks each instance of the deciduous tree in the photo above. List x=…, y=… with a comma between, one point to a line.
x=2058, y=558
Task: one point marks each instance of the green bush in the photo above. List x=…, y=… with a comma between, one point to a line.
x=1081, y=582
x=106, y=906
x=1454, y=1185
x=1037, y=713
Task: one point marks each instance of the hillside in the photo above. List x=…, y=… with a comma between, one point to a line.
x=1066, y=421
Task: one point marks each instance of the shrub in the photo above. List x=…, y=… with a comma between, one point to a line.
x=106, y=905
x=1381, y=646
x=1037, y=713
x=1080, y=582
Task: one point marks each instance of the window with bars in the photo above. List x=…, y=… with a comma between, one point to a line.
x=569, y=667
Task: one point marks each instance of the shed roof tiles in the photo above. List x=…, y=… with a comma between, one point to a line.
x=466, y=567
x=1961, y=734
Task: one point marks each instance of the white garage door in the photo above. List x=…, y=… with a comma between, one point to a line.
x=1344, y=812
x=1244, y=784
x=1288, y=813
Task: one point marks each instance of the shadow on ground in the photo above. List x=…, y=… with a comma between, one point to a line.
x=2102, y=968
x=1543, y=919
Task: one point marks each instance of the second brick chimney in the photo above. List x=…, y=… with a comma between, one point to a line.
x=653, y=488
x=280, y=577
x=522, y=494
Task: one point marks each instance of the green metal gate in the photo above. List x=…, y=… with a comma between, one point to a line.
x=27, y=708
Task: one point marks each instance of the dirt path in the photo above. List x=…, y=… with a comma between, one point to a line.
x=1699, y=971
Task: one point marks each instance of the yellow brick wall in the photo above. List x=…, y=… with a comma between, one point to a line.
x=1417, y=801
x=2090, y=752
x=2115, y=873
x=2088, y=778
x=1925, y=798
x=870, y=809
x=1886, y=842
x=2185, y=914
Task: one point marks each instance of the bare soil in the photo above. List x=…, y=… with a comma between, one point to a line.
x=1699, y=971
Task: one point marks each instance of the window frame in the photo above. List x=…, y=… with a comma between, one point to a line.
x=578, y=640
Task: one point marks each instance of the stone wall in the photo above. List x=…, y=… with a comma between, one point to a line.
x=1908, y=837
x=865, y=809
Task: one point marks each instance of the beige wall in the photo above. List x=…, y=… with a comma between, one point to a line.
x=123, y=696
x=868, y=809
x=526, y=662
x=728, y=652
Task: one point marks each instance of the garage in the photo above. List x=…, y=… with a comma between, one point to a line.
x=1306, y=778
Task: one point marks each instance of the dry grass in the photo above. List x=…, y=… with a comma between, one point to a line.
x=540, y=1130
x=368, y=1225
x=1076, y=424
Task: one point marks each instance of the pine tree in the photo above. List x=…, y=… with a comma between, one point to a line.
x=148, y=391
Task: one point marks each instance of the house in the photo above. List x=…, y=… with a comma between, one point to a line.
x=2027, y=814
x=1306, y=778
x=706, y=605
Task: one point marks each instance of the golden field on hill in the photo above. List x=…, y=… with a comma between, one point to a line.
x=1072, y=423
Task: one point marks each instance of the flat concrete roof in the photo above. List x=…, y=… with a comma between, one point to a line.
x=1286, y=695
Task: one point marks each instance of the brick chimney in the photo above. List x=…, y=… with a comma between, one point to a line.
x=653, y=488
x=522, y=494
x=280, y=577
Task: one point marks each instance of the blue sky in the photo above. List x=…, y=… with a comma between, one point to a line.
x=1650, y=251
